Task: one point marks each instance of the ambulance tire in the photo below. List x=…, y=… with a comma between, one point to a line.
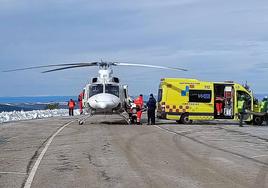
x=257, y=120
x=249, y=122
x=178, y=121
x=185, y=119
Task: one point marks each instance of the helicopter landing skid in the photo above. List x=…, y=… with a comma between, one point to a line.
x=83, y=120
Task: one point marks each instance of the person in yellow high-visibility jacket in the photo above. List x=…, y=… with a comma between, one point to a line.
x=241, y=106
x=264, y=104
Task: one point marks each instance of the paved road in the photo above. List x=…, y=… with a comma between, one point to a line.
x=106, y=153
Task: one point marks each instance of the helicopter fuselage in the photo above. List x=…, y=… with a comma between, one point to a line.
x=104, y=98
x=105, y=95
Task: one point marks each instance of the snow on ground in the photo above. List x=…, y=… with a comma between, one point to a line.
x=35, y=114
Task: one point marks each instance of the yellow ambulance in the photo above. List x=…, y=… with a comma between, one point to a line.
x=184, y=100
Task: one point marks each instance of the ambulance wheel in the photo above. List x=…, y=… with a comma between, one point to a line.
x=178, y=121
x=257, y=120
x=185, y=119
x=249, y=122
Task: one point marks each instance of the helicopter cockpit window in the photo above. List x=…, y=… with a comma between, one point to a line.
x=95, y=89
x=112, y=89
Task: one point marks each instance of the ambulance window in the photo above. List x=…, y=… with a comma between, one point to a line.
x=95, y=89
x=160, y=92
x=203, y=96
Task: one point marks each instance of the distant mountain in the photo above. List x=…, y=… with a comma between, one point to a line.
x=10, y=108
x=32, y=103
x=42, y=99
x=29, y=106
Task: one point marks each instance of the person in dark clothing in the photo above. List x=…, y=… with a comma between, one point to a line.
x=242, y=114
x=151, y=106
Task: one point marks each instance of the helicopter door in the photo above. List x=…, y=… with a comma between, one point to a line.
x=83, y=95
x=125, y=91
x=126, y=98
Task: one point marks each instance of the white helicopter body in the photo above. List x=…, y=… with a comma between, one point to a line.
x=105, y=94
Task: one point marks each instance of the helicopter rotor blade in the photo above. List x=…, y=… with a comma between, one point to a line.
x=150, y=66
x=54, y=65
x=88, y=64
x=68, y=67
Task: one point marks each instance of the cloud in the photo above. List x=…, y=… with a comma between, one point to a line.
x=215, y=40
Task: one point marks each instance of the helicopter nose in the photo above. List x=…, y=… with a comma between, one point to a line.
x=104, y=101
x=104, y=105
x=107, y=104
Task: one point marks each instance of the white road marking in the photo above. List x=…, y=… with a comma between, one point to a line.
x=20, y=173
x=164, y=129
x=257, y=156
x=170, y=131
x=232, y=147
x=38, y=161
x=14, y=137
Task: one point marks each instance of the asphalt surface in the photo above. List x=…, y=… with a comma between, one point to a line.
x=105, y=152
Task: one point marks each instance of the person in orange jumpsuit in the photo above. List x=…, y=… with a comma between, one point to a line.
x=80, y=101
x=71, y=105
x=139, y=103
x=219, y=105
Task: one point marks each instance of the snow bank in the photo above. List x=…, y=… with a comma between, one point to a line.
x=35, y=114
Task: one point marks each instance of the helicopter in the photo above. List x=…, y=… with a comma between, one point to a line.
x=104, y=94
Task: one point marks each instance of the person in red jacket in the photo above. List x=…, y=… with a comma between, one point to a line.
x=139, y=104
x=71, y=105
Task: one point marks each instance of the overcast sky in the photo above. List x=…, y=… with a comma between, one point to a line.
x=216, y=40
